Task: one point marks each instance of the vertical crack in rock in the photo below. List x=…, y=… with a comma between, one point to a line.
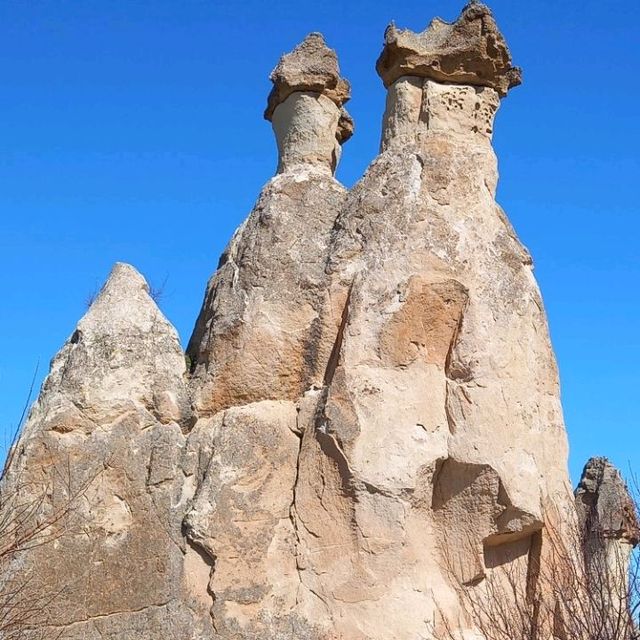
x=451, y=423
x=208, y=559
x=456, y=372
x=329, y=444
x=332, y=450
x=532, y=592
x=454, y=369
x=200, y=557
x=334, y=357
x=293, y=517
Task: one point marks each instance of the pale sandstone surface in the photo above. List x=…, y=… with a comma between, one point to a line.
x=370, y=420
x=262, y=334
x=441, y=420
x=306, y=125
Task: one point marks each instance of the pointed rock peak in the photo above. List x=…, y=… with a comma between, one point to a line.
x=604, y=504
x=124, y=285
x=470, y=51
x=311, y=66
x=124, y=279
x=124, y=358
x=124, y=301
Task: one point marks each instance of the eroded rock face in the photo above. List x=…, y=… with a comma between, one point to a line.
x=264, y=338
x=604, y=504
x=439, y=430
x=609, y=529
x=370, y=420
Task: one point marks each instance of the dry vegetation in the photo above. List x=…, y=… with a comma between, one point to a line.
x=586, y=591
x=33, y=513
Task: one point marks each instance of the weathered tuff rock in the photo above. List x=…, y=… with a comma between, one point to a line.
x=469, y=51
x=268, y=320
x=309, y=74
x=262, y=341
x=371, y=418
x=438, y=433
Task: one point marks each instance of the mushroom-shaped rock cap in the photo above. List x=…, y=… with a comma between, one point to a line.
x=604, y=504
x=470, y=50
x=311, y=66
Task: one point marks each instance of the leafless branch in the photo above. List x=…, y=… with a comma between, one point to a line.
x=575, y=589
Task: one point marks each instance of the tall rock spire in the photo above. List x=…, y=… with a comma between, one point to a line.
x=610, y=529
x=439, y=432
x=262, y=331
x=605, y=507
x=259, y=352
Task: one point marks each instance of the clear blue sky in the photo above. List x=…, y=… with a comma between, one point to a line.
x=133, y=130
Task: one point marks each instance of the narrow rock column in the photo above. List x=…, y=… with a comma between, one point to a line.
x=306, y=107
x=447, y=80
x=262, y=331
x=610, y=530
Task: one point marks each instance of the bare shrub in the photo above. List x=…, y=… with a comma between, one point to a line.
x=157, y=293
x=34, y=512
x=573, y=587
